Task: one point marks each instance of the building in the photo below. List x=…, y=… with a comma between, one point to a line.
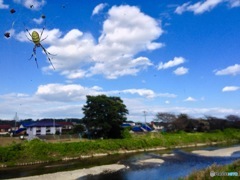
x=22, y=130
x=5, y=129
x=162, y=126
x=142, y=128
x=43, y=128
x=128, y=124
x=66, y=125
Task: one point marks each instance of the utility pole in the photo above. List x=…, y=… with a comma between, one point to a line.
x=54, y=127
x=145, y=114
x=16, y=119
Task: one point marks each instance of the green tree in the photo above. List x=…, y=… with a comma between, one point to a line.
x=78, y=129
x=181, y=122
x=104, y=116
x=233, y=118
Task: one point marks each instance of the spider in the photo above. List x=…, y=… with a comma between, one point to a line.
x=37, y=39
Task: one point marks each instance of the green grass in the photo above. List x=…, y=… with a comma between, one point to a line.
x=205, y=174
x=37, y=150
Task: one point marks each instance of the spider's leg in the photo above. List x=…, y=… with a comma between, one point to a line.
x=34, y=54
x=44, y=39
x=42, y=32
x=28, y=33
x=47, y=53
x=27, y=30
x=28, y=38
x=51, y=54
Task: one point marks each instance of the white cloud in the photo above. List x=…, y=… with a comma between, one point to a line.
x=175, y=62
x=137, y=106
x=40, y=104
x=39, y=20
x=153, y=46
x=148, y=93
x=63, y=100
x=207, y=5
x=31, y=4
x=182, y=8
x=98, y=8
x=190, y=99
x=142, y=92
x=33, y=106
x=63, y=111
x=203, y=6
x=230, y=70
x=115, y=70
x=75, y=47
x=181, y=71
x=230, y=88
x=3, y=6
x=76, y=92
x=234, y=3
x=126, y=32
x=65, y=93
x=74, y=74
x=18, y=102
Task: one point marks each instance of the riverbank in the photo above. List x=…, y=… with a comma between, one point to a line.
x=36, y=151
x=218, y=172
x=70, y=175
x=224, y=152
x=116, y=167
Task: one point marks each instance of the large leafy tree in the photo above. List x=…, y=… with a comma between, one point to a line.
x=104, y=116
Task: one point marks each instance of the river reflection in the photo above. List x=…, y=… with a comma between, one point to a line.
x=179, y=164
x=38, y=169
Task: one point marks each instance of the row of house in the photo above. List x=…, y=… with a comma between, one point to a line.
x=154, y=126
x=35, y=128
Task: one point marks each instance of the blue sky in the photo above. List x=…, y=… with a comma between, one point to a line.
x=158, y=56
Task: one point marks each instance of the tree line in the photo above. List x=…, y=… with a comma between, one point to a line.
x=183, y=122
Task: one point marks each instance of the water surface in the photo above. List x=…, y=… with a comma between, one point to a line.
x=181, y=164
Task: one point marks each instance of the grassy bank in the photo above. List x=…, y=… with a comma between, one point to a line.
x=205, y=174
x=36, y=150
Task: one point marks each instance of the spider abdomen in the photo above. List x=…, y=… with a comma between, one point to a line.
x=35, y=37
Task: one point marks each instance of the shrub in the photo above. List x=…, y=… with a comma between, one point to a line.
x=126, y=133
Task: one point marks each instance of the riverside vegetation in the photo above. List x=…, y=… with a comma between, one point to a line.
x=37, y=150
x=205, y=174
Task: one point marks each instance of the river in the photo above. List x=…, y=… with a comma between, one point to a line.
x=168, y=164
x=181, y=164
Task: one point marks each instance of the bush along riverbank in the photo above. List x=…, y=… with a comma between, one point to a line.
x=37, y=151
x=217, y=172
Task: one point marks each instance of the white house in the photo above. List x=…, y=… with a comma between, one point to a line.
x=43, y=128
